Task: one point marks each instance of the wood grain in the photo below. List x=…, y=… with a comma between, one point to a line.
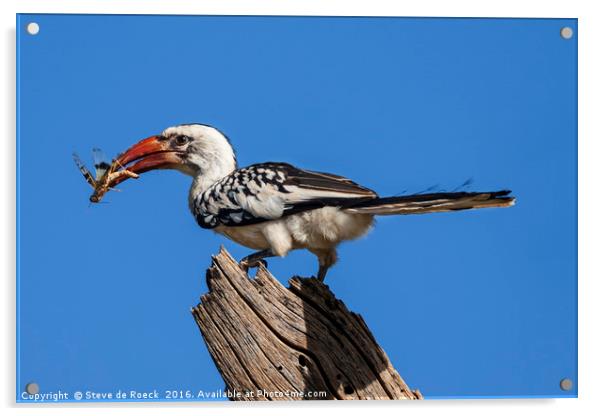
x=298, y=343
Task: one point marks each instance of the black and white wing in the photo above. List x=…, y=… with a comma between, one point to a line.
x=84, y=170
x=272, y=190
x=101, y=165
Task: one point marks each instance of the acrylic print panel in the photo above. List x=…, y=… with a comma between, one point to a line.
x=467, y=303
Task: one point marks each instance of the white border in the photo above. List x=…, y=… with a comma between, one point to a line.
x=590, y=199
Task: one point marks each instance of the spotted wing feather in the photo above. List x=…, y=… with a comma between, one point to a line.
x=270, y=191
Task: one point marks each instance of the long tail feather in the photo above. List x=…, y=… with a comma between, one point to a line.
x=434, y=202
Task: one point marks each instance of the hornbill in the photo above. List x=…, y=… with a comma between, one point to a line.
x=275, y=207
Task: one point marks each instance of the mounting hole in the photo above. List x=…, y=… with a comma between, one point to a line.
x=32, y=388
x=33, y=28
x=566, y=32
x=566, y=384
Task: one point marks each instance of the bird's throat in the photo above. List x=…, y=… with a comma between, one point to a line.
x=208, y=176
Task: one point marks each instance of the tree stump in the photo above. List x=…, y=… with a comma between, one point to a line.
x=301, y=343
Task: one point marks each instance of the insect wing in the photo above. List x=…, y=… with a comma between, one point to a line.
x=100, y=163
x=82, y=168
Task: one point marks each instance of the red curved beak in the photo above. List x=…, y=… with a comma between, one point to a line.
x=143, y=148
x=151, y=153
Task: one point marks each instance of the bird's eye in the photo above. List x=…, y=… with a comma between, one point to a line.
x=181, y=140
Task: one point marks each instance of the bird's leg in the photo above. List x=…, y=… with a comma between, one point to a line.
x=322, y=270
x=326, y=258
x=254, y=259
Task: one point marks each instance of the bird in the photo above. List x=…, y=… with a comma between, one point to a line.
x=275, y=207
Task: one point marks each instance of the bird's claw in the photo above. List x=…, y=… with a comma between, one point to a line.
x=246, y=264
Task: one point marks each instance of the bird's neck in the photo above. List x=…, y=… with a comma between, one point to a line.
x=211, y=170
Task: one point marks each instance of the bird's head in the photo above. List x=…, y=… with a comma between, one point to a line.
x=193, y=149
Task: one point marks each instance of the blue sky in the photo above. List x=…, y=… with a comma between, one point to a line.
x=475, y=303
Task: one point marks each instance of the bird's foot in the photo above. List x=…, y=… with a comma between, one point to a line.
x=250, y=264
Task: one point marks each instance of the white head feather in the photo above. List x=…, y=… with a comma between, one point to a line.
x=209, y=155
x=209, y=152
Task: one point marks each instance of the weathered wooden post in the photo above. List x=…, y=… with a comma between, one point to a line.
x=300, y=343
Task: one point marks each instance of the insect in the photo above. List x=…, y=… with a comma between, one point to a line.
x=105, y=173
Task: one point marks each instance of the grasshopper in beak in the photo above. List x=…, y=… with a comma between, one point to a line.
x=106, y=175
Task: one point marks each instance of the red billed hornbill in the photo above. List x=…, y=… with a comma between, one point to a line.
x=275, y=207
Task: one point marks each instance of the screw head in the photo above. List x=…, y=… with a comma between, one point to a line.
x=566, y=384
x=32, y=388
x=33, y=28
x=566, y=32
